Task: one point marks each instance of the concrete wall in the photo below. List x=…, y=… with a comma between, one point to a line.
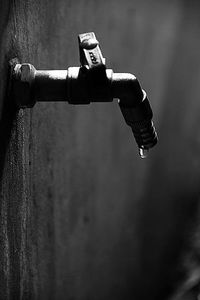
x=82, y=217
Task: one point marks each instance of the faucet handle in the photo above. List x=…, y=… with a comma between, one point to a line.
x=90, y=53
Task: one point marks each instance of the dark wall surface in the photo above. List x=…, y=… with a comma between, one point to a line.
x=82, y=216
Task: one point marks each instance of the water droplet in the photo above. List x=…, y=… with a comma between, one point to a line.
x=143, y=152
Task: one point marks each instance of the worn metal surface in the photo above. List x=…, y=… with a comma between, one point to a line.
x=82, y=217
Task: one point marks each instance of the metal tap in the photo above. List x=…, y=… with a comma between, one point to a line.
x=91, y=82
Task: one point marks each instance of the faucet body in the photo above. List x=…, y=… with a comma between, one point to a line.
x=75, y=85
x=91, y=82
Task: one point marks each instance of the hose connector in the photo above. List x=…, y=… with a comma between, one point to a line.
x=139, y=118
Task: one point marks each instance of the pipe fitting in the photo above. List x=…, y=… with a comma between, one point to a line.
x=126, y=87
x=23, y=82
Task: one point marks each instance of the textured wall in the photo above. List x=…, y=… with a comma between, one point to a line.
x=82, y=217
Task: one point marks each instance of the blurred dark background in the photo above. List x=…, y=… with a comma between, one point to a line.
x=82, y=216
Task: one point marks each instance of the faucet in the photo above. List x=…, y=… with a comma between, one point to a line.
x=91, y=82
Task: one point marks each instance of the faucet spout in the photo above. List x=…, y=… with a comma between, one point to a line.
x=136, y=109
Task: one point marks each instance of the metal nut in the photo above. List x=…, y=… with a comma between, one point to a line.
x=26, y=72
x=24, y=76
